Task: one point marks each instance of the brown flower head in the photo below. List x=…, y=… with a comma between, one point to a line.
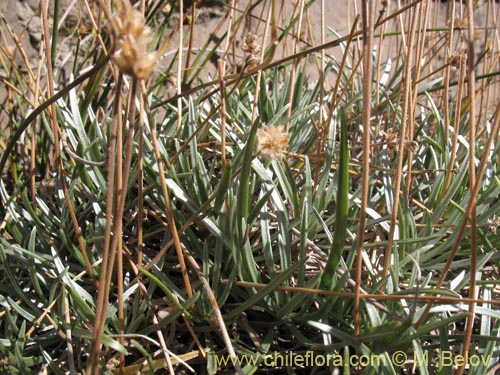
x=251, y=49
x=390, y=138
x=492, y=224
x=272, y=141
x=250, y=44
x=456, y=59
x=132, y=56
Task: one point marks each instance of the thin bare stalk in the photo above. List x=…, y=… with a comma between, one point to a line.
x=69, y=339
x=471, y=85
x=228, y=35
x=271, y=20
x=456, y=125
x=103, y=293
x=295, y=64
x=191, y=20
x=117, y=233
x=383, y=27
x=446, y=76
x=166, y=197
x=406, y=114
x=368, y=15
x=372, y=298
x=322, y=126
x=221, y=70
x=122, y=177
x=422, y=12
x=335, y=91
x=179, y=64
x=140, y=187
x=34, y=132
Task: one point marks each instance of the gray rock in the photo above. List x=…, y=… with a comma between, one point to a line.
x=31, y=21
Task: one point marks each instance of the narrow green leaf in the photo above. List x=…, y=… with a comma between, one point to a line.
x=275, y=282
x=222, y=188
x=145, y=354
x=327, y=281
x=244, y=183
x=106, y=339
x=165, y=290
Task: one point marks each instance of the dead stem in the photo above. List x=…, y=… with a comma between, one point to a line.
x=180, y=78
x=270, y=21
x=368, y=14
x=69, y=339
x=140, y=184
x=107, y=262
x=295, y=66
x=34, y=132
x=221, y=70
x=168, y=209
x=472, y=179
x=422, y=14
x=372, y=298
x=403, y=135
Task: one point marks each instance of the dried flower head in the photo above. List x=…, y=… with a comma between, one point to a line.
x=456, y=58
x=492, y=224
x=250, y=44
x=410, y=145
x=272, y=141
x=390, y=138
x=251, y=49
x=132, y=56
x=460, y=23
